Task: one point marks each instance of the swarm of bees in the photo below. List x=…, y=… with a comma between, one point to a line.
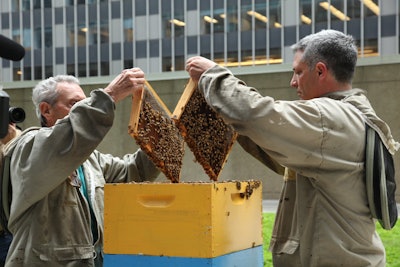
x=157, y=135
x=162, y=134
x=204, y=131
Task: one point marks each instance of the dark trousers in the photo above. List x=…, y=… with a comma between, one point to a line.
x=5, y=241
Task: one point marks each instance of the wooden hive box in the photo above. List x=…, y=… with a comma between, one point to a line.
x=204, y=131
x=154, y=131
x=199, y=219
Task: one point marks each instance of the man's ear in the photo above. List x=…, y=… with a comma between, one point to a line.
x=45, y=110
x=321, y=68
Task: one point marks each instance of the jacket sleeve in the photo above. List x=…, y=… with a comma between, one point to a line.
x=302, y=135
x=135, y=167
x=42, y=159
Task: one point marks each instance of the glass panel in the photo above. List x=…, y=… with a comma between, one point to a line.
x=128, y=21
x=70, y=38
x=217, y=21
x=179, y=63
x=260, y=25
x=93, y=70
x=82, y=30
x=275, y=14
x=71, y=69
x=166, y=19
x=81, y=70
x=305, y=12
x=166, y=64
x=128, y=64
x=48, y=71
x=370, y=47
x=208, y=21
x=47, y=3
x=321, y=13
x=275, y=56
x=16, y=36
x=219, y=58
x=36, y=4
x=104, y=32
x=37, y=38
x=371, y=12
x=371, y=8
x=178, y=22
x=93, y=33
x=105, y=68
x=48, y=37
x=27, y=41
x=26, y=5
x=336, y=9
x=15, y=5
x=247, y=57
x=259, y=14
x=232, y=42
x=128, y=30
x=38, y=73
x=246, y=15
x=232, y=16
x=353, y=9
x=17, y=74
x=27, y=73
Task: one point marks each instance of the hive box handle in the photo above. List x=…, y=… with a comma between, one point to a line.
x=156, y=201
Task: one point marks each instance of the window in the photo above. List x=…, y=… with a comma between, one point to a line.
x=48, y=37
x=70, y=38
x=128, y=30
x=104, y=32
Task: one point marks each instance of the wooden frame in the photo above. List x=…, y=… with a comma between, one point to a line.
x=154, y=131
x=207, y=135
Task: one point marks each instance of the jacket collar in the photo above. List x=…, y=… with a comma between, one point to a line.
x=357, y=98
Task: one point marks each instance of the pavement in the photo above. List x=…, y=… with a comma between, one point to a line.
x=270, y=205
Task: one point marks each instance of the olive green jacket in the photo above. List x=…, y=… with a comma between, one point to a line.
x=323, y=218
x=50, y=217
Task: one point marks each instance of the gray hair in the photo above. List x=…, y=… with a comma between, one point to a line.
x=337, y=50
x=46, y=91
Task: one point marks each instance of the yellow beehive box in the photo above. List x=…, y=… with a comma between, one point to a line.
x=202, y=220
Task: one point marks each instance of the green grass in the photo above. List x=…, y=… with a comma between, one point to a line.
x=390, y=239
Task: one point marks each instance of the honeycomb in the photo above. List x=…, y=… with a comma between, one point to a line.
x=155, y=132
x=204, y=131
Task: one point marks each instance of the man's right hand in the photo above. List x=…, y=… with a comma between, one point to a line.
x=197, y=65
x=125, y=84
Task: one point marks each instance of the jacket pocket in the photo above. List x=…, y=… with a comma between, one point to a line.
x=64, y=253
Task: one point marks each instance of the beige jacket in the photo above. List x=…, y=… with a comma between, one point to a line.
x=323, y=218
x=50, y=218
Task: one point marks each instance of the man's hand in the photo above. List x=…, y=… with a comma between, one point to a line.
x=196, y=66
x=126, y=84
x=12, y=133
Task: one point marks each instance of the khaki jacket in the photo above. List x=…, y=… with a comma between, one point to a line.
x=49, y=217
x=323, y=218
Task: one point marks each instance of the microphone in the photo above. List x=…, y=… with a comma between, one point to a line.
x=11, y=50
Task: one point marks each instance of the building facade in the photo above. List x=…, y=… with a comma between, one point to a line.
x=96, y=38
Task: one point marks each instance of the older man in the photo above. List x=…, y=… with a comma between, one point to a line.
x=58, y=176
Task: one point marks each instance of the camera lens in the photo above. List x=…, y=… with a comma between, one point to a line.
x=16, y=115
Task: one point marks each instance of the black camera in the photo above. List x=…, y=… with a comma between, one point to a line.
x=8, y=114
x=16, y=115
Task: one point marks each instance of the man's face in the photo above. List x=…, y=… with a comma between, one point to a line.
x=304, y=80
x=69, y=95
